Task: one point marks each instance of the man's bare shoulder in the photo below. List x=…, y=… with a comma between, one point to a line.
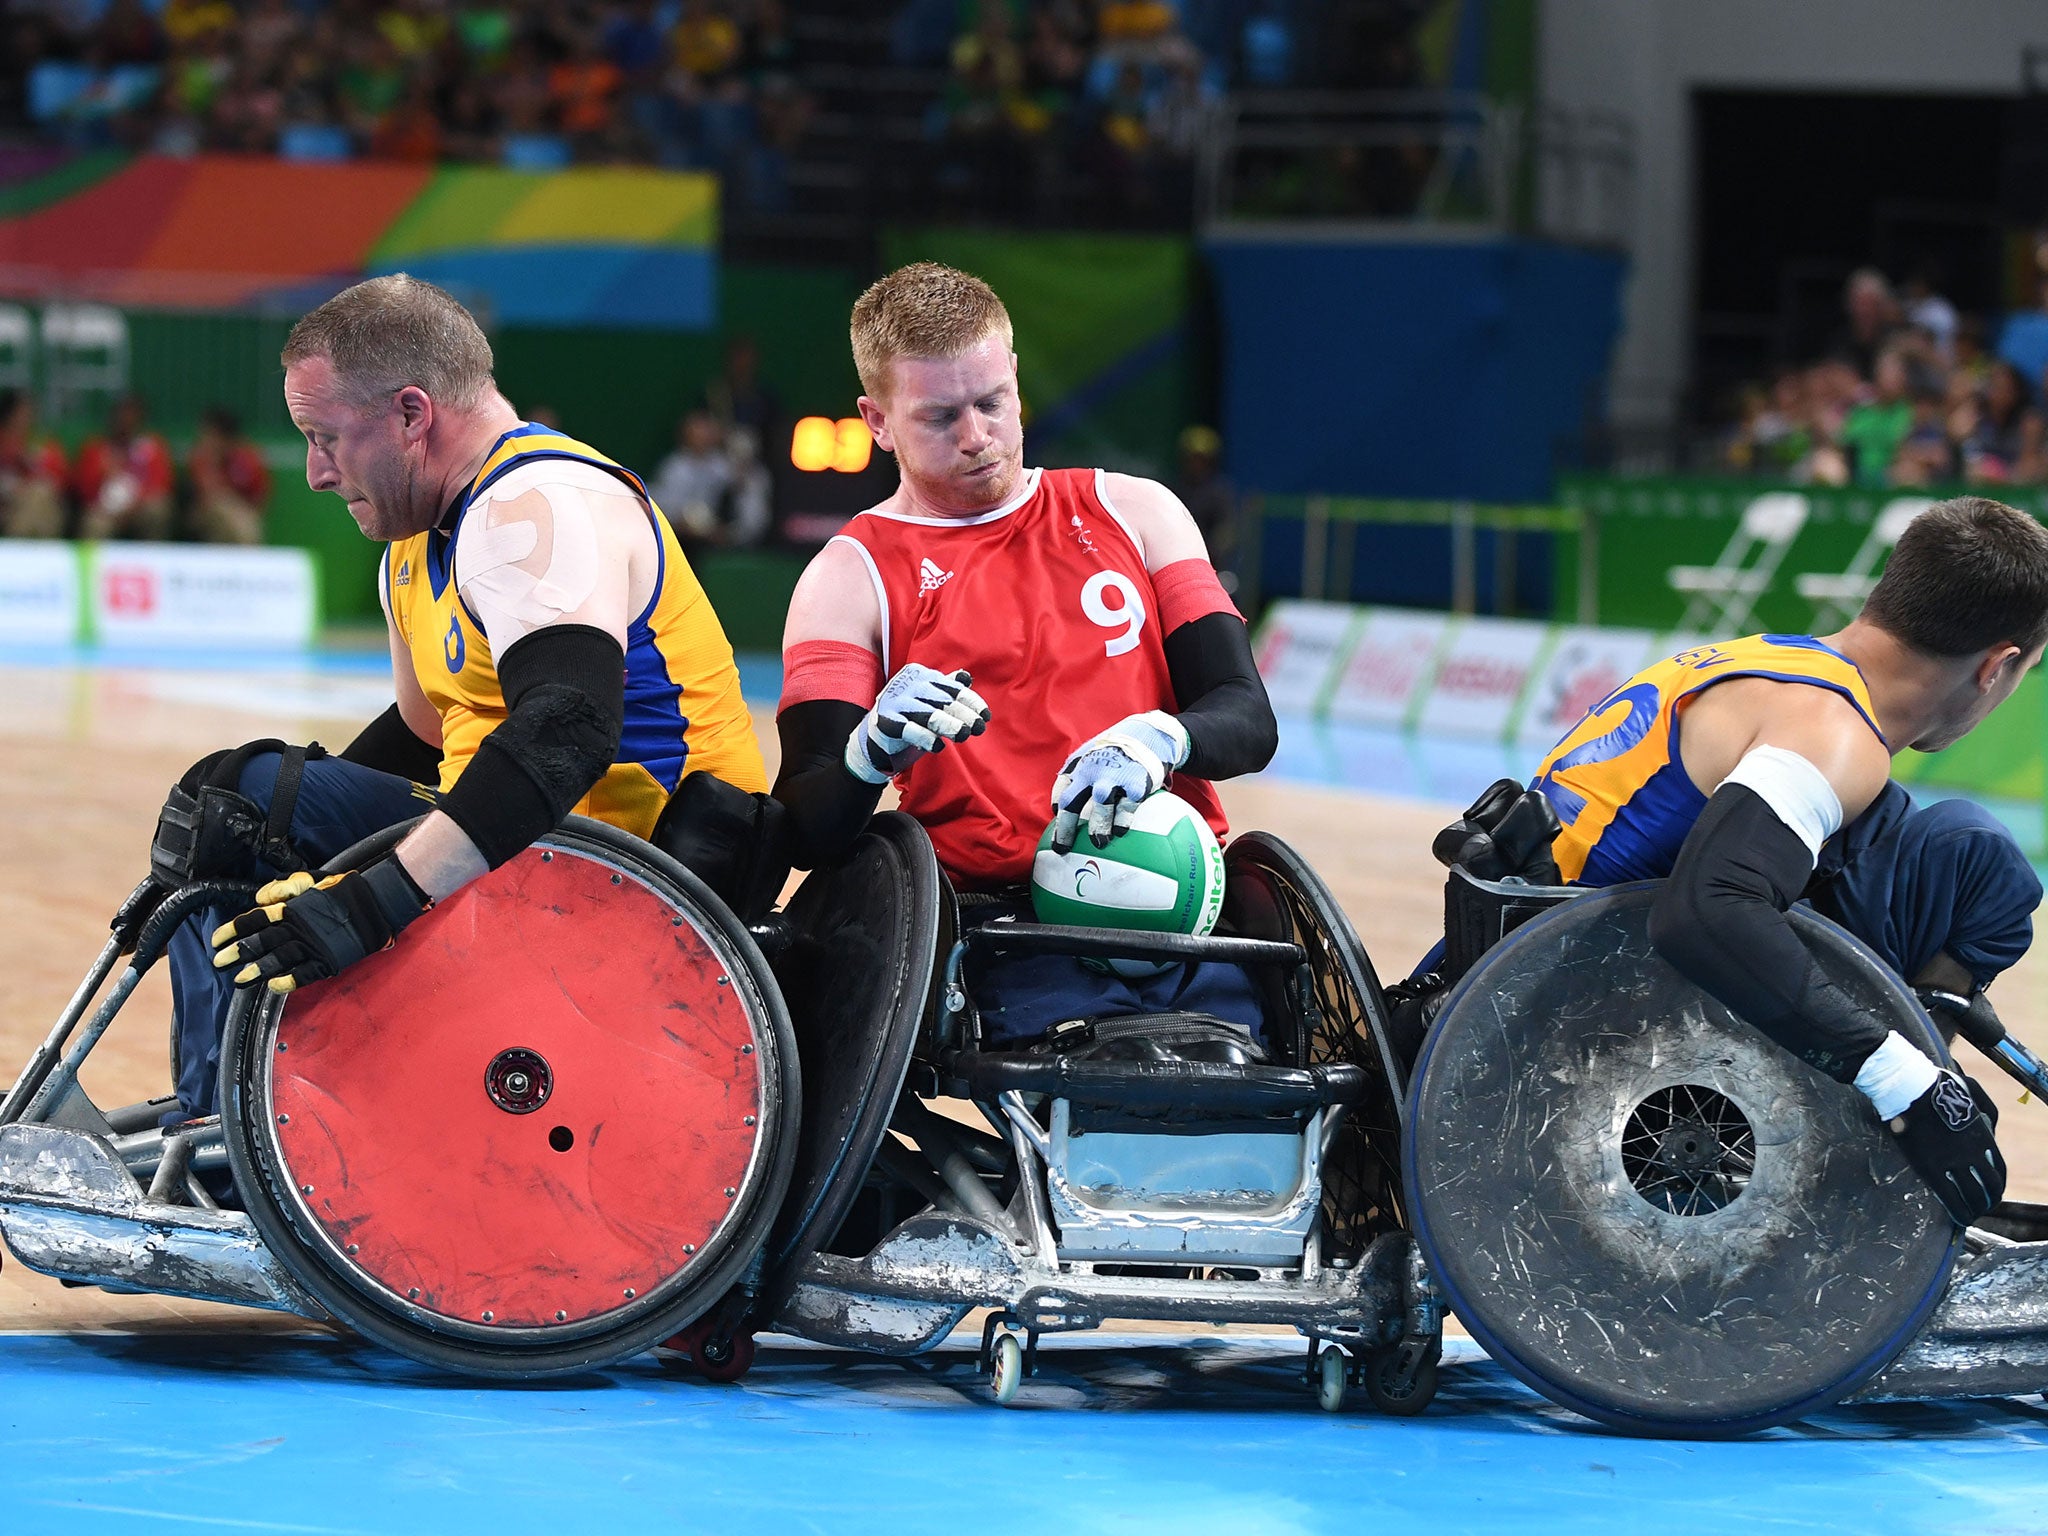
x=1723, y=723
x=1157, y=519
x=835, y=599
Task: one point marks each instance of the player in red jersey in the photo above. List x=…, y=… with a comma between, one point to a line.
x=1069, y=620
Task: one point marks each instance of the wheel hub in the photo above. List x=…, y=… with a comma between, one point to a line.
x=1688, y=1150
x=519, y=1081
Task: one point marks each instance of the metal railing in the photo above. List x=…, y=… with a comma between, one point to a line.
x=1434, y=161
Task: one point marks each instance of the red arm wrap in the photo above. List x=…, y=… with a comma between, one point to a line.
x=830, y=669
x=1188, y=590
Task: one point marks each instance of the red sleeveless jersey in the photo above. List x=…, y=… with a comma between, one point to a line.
x=1047, y=602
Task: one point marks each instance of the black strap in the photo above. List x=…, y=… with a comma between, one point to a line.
x=284, y=796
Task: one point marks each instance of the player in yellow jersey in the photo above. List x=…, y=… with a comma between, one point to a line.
x=550, y=647
x=1755, y=773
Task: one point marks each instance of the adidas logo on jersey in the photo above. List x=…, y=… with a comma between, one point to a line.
x=404, y=576
x=930, y=578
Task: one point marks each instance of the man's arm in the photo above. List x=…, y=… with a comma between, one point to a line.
x=550, y=573
x=844, y=731
x=1223, y=725
x=406, y=738
x=1784, y=767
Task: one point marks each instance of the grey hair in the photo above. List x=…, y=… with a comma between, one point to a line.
x=388, y=332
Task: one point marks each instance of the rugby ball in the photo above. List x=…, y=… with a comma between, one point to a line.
x=1163, y=875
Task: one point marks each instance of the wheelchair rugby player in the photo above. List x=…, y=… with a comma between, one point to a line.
x=1177, y=1125
x=1748, y=1110
x=479, y=1141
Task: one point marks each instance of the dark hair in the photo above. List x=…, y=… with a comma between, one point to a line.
x=222, y=420
x=1966, y=574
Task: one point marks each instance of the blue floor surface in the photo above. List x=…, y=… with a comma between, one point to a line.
x=131, y=1433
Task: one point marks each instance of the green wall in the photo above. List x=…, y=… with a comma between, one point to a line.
x=1102, y=326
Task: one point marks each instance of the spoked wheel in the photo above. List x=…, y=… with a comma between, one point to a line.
x=544, y=1131
x=1268, y=880
x=1645, y=1209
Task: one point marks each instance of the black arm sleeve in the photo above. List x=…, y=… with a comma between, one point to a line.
x=1720, y=920
x=565, y=687
x=388, y=745
x=827, y=806
x=1223, y=700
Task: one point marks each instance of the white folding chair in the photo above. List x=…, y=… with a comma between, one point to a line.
x=85, y=351
x=17, y=347
x=1836, y=599
x=1724, y=594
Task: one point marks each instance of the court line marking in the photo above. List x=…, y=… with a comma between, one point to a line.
x=208, y=1519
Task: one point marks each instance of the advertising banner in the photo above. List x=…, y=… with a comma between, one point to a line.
x=1584, y=666
x=39, y=592
x=1481, y=676
x=1388, y=671
x=190, y=594
x=1299, y=649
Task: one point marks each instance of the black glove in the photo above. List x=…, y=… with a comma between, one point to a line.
x=1946, y=1135
x=305, y=930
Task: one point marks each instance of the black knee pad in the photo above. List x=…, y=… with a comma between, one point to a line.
x=209, y=830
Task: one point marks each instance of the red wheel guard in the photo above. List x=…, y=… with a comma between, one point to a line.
x=648, y=1089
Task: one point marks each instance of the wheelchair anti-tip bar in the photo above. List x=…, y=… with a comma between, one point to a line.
x=47, y=1076
x=1112, y=944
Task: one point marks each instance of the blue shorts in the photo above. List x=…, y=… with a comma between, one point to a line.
x=339, y=804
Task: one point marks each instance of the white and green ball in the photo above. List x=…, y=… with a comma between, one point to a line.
x=1163, y=875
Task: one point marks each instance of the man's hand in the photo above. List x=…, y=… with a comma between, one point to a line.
x=302, y=930
x=1946, y=1134
x=1107, y=777
x=919, y=711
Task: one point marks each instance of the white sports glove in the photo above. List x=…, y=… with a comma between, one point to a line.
x=1108, y=775
x=919, y=711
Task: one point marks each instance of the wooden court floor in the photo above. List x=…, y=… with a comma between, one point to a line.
x=87, y=753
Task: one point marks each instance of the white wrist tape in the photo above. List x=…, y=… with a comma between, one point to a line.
x=1896, y=1074
x=1793, y=788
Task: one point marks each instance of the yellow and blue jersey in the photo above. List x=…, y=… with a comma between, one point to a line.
x=684, y=713
x=1616, y=780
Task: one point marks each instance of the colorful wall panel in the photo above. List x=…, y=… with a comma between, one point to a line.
x=625, y=247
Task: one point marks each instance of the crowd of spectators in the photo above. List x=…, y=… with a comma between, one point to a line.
x=1908, y=394
x=1053, y=108
x=1053, y=105
x=1046, y=99
x=123, y=482
x=685, y=83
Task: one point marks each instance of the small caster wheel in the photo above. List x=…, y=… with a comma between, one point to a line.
x=724, y=1359
x=683, y=1346
x=1389, y=1394
x=1333, y=1373
x=1006, y=1368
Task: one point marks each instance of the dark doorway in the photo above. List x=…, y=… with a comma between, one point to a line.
x=1797, y=189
